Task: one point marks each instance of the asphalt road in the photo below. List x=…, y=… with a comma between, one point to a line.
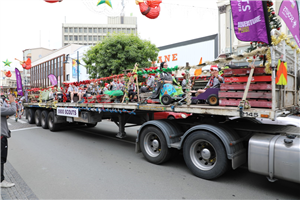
x=91, y=163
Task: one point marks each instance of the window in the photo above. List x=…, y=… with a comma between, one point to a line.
x=99, y=30
x=85, y=30
x=71, y=30
x=99, y=38
x=119, y=30
x=90, y=30
x=90, y=38
x=70, y=37
x=75, y=30
x=85, y=43
x=95, y=38
x=80, y=38
x=85, y=38
x=66, y=37
x=104, y=30
x=76, y=38
x=115, y=30
x=66, y=30
x=109, y=30
x=95, y=30
x=80, y=30
x=128, y=30
x=68, y=77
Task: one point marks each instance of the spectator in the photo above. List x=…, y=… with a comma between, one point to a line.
x=5, y=133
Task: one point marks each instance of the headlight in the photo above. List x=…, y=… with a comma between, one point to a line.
x=183, y=115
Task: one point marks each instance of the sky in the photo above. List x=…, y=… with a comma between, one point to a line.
x=26, y=24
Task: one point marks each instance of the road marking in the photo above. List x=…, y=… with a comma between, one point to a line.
x=8, y=123
x=23, y=129
x=114, y=138
x=21, y=121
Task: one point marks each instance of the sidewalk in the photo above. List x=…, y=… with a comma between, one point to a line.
x=20, y=190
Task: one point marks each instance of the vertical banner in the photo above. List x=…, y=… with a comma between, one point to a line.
x=250, y=23
x=289, y=12
x=19, y=82
x=74, y=68
x=53, y=79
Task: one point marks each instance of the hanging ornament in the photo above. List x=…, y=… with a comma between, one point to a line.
x=53, y=1
x=108, y=2
x=25, y=64
x=6, y=63
x=8, y=74
x=149, y=8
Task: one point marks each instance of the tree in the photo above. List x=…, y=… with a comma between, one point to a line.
x=118, y=52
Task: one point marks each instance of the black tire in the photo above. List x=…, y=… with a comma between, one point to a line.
x=91, y=125
x=37, y=117
x=30, y=118
x=166, y=99
x=205, y=155
x=44, y=119
x=171, y=117
x=154, y=146
x=51, y=125
x=213, y=100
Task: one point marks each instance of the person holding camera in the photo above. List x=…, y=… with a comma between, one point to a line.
x=5, y=134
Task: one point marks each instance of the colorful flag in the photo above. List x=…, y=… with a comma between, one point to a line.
x=289, y=12
x=53, y=79
x=250, y=20
x=281, y=76
x=19, y=82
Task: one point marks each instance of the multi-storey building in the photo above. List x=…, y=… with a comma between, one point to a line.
x=90, y=34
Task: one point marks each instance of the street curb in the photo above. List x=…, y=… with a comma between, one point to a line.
x=21, y=190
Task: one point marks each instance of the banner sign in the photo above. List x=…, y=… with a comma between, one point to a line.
x=19, y=82
x=68, y=112
x=249, y=20
x=53, y=79
x=289, y=12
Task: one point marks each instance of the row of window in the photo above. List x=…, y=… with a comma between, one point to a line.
x=65, y=44
x=83, y=38
x=98, y=30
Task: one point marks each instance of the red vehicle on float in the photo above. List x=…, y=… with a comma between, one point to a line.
x=170, y=115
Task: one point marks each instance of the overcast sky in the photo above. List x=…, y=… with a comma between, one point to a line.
x=22, y=21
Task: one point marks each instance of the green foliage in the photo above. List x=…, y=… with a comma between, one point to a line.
x=118, y=52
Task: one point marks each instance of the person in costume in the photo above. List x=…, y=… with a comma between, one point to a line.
x=214, y=81
x=150, y=84
x=131, y=89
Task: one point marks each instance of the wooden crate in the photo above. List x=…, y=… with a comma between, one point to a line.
x=250, y=95
x=242, y=86
x=253, y=103
x=243, y=71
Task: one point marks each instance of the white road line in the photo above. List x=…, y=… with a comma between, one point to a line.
x=21, y=121
x=8, y=123
x=23, y=129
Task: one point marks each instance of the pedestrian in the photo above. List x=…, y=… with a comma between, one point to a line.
x=5, y=133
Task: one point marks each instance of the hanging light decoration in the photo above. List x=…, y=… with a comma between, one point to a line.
x=53, y=1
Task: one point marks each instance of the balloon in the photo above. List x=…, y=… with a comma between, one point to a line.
x=8, y=74
x=149, y=8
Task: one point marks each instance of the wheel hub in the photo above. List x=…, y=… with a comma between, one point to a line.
x=155, y=144
x=205, y=153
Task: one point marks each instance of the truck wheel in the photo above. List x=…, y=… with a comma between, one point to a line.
x=154, y=146
x=37, y=117
x=30, y=117
x=52, y=126
x=166, y=99
x=213, y=100
x=92, y=125
x=44, y=119
x=205, y=155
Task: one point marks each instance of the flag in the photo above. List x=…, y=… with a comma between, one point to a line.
x=250, y=20
x=19, y=82
x=53, y=79
x=289, y=12
x=281, y=76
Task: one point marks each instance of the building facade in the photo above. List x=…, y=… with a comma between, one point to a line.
x=91, y=34
x=54, y=63
x=34, y=54
x=228, y=43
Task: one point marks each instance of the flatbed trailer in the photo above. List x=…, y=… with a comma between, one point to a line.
x=210, y=140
